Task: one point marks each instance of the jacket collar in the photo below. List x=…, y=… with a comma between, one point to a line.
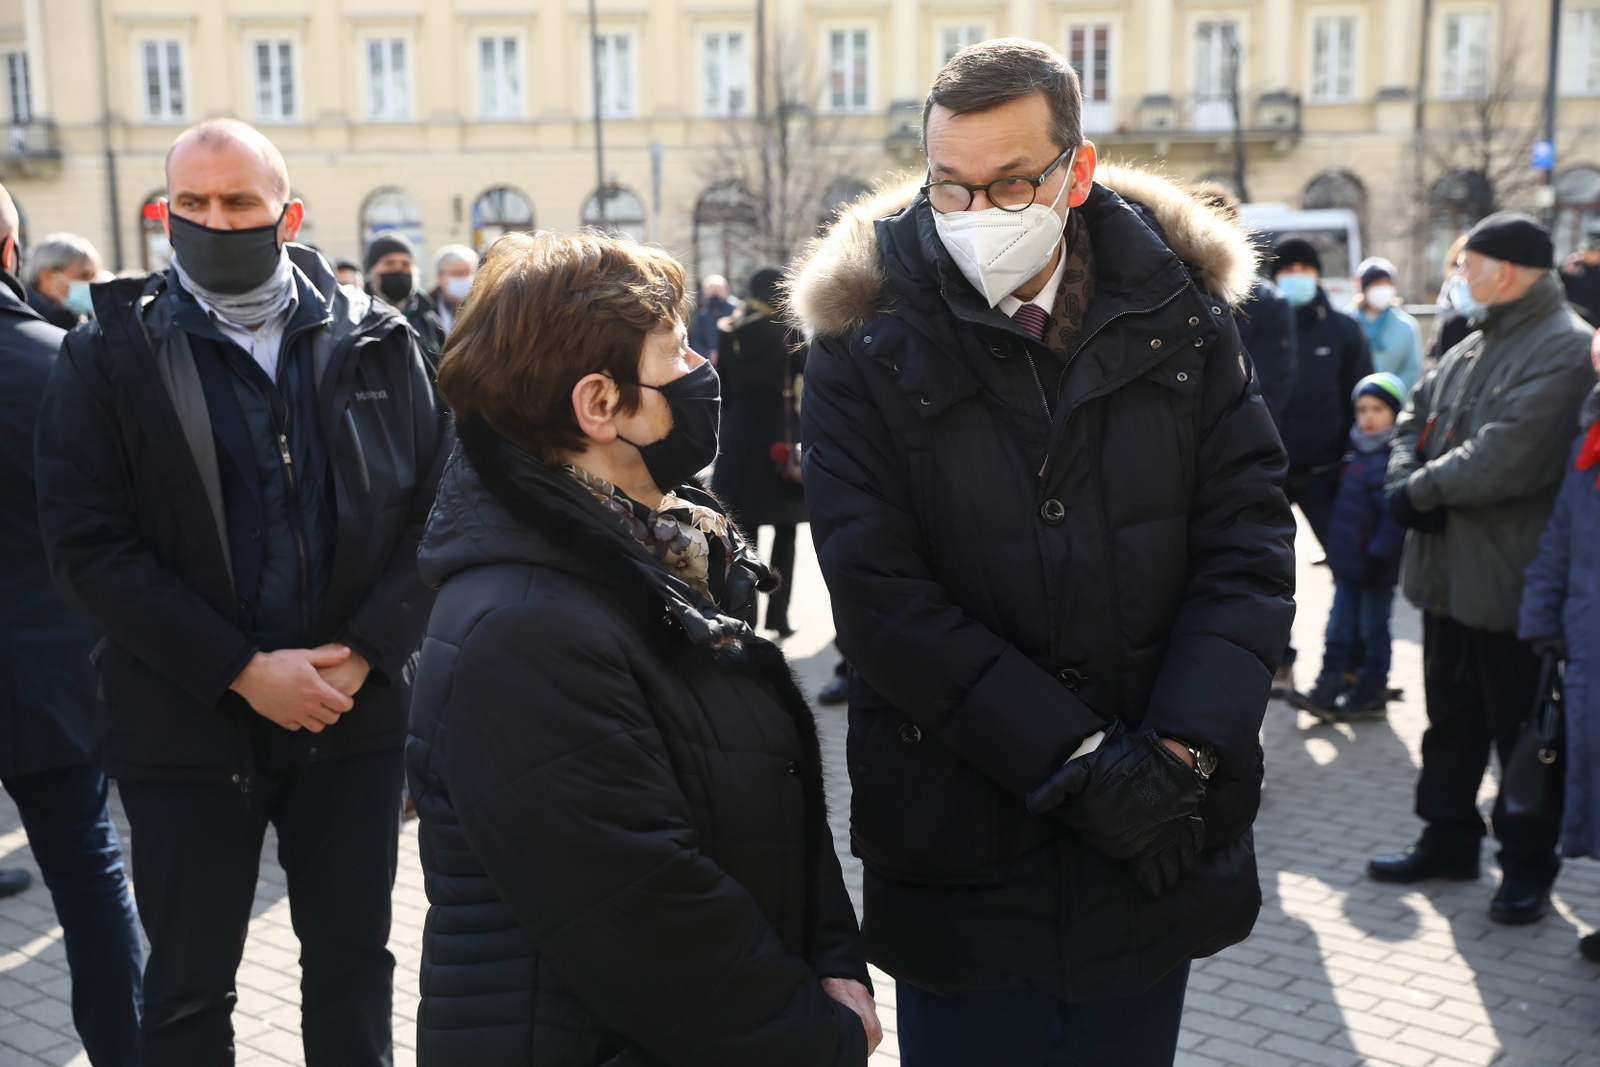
x=14, y=298
x=1544, y=297
x=311, y=309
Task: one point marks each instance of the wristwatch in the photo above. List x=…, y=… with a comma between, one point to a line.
x=1205, y=760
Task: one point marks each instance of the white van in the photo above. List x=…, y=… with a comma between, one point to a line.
x=1334, y=232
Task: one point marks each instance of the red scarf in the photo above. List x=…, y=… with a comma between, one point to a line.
x=1589, y=453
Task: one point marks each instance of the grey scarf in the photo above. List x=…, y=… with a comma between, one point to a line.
x=249, y=309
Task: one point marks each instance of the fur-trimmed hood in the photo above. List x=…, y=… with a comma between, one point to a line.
x=838, y=283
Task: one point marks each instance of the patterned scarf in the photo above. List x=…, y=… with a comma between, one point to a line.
x=692, y=542
x=1065, y=327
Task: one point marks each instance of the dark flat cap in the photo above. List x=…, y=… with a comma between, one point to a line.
x=1513, y=237
x=1295, y=250
x=386, y=242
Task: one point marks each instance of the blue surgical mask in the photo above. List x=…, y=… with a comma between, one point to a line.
x=1298, y=289
x=456, y=287
x=78, y=300
x=1461, y=298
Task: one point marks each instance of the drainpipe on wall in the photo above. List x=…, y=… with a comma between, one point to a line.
x=113, y=198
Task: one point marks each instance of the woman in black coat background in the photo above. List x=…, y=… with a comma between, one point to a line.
x=623, y=826
x=759, y=359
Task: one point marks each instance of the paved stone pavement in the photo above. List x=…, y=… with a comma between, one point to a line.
x=1339, y=970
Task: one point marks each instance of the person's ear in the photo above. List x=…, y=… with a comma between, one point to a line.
x=11, y=257
x=294, y=217
x=1082, y=177
x=594, y=407
x=164, y=213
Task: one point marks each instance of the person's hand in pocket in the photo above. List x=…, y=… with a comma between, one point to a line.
x=853, y=995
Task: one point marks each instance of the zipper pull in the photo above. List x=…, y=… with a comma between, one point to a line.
x=283, y=449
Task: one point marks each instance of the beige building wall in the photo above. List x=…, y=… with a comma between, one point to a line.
x=1154, y=100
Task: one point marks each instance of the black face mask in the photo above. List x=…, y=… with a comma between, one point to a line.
x=395, y=285
x=226, y=261
x=691, y=444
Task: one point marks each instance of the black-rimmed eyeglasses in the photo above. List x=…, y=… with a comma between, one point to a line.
x=1007, y=194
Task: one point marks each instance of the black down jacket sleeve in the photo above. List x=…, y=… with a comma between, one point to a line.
x=386, y=628
x=980, y=695
x=566, y=792
x=101, y=564
x=1238, y=603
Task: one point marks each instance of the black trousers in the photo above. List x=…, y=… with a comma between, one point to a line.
x=196, y=856
x=1481, y=688
x=1313, y=491
x=1027, y=1028
x=782, y=562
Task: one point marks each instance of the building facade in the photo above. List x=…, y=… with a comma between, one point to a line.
x=731, y=128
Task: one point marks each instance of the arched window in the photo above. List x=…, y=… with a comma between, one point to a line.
x=1577, y=210
x=624, y=213
x=1457, y=200
x=725, y=230
x=499, y=211
x=1338, y=188
x=392, y=209
x=155, y=251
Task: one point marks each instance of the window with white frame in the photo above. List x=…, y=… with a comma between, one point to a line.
x=499, y=78
x=613, y=59
x=954, y=38
x=18, y=90
x=726, y=74
x=1333, y=59
x=162, y=65
x=1464, y=66
x=848, y=72
x=388, y=80
x=1216, y=60
x=1089, y=52
x=1580, y=52
x=273, y=63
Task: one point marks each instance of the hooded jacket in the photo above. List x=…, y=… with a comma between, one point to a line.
x=624, y=835
x=1006, y=581
x=132, y=509
x=1483, y=436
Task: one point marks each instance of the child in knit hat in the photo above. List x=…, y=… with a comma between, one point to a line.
x=1363, y=547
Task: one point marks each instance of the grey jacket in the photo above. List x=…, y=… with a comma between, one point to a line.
x=1485, y=436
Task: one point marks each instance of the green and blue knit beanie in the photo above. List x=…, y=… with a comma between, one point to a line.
x=1383, y=385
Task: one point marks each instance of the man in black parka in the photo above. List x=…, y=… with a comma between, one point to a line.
x=235, y=460
x=1044, y=531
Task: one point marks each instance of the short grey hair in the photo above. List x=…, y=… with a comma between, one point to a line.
x=986, y=75
x=455, y=254
x=57, y=252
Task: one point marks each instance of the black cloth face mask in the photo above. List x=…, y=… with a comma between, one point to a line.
x=395, y=285
x=689, y=447
x=226, y=261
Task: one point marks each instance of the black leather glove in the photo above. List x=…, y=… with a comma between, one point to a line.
x=1121, y=797
x=1543, y=646
x=1158, y=868
x=1397, y=499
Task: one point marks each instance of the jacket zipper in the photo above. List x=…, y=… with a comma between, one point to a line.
x=301, y=551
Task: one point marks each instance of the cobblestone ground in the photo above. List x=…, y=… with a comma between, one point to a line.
x=1339, y=970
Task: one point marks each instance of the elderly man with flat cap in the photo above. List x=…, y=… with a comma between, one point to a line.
x=1478, y=457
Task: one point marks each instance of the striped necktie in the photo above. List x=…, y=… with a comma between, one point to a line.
x=1031, y=317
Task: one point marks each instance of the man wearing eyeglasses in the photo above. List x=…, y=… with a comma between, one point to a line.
x=1047, y=499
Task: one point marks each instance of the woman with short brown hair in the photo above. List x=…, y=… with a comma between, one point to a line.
x=623, y=826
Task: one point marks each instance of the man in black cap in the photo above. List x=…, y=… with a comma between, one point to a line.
x=1478, y=458
x=1331, y=357
x=391, y=267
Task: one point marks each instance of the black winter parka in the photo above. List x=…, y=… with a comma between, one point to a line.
x=1005, y=584
x=137, y=539
x=624, y=835
x=1332, y=355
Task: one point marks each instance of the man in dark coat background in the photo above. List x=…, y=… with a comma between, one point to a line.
x=47, y=710
x=1047, y=500
x=235, y=461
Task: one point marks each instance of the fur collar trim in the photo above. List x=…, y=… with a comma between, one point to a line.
x=839, y=281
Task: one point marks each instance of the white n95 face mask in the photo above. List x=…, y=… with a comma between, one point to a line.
x=999, y=250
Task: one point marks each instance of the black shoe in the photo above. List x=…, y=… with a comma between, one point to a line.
x=1519, y=901
x=782, y=629
x=1363, y=706
x=1418, y=863
x=836, y=691
x=1321, y=701
x=14, y=881
x=1589, y=947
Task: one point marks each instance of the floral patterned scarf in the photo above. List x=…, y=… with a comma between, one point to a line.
x=692, y=542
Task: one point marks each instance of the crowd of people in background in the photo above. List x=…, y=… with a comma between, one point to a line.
x=219, y=478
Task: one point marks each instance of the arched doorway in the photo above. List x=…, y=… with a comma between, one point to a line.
x=392, y=209
x=497, y=212
x=726, y=223
x=155, y=251
x=1337, y=188
x=1577, y=210
x=1457, y=200
x=624, y=214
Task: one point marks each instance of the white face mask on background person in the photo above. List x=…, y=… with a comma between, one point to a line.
x=1380, y=297
x=999, y=250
